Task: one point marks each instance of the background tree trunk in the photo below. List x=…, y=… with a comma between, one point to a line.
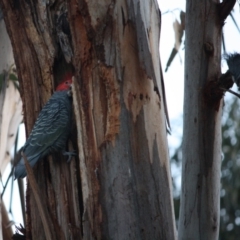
x=200, y=197
x=10, y=117
x=120, y=186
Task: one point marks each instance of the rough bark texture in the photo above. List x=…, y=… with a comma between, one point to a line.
x=120, y=187
x=127, y=178
x=200, y=199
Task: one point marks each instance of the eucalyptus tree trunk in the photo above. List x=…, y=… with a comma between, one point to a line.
x=200, y=197
x=10, y=117
x=119, y=185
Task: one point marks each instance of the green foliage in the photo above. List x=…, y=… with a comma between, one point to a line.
x=12, y=76
x=230, y=191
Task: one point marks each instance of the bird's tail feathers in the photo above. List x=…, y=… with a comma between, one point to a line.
x=20, y=169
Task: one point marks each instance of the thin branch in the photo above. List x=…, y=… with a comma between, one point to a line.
x=234, y=93
x=172, y=11
x=47, y=225
x=5, y=186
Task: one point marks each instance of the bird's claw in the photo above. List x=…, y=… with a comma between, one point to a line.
x=69, y=154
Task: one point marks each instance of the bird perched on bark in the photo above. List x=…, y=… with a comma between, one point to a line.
x=51, y=130
x=233, y=61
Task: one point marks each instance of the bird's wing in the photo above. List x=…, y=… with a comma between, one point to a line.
x=47, y=129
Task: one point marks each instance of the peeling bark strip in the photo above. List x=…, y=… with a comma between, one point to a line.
x=122, y=131
x=112, y=90
x=46, y=220
x=120, y=187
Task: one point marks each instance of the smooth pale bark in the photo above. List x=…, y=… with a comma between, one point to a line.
x=200, y=198
x=10, y=118
x=10, y=101
x=119, y=186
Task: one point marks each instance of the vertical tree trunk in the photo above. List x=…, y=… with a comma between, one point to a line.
x=10, y=117
x=200, y=199
x=120, y=186
x=126, y=171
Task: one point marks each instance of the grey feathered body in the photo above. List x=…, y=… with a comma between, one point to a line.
x=50, y=131
x=233, y=61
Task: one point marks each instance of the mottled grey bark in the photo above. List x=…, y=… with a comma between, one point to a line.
x=200, y=198
x=125, y=129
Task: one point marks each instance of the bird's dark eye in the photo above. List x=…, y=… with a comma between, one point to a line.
x=66, y=82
